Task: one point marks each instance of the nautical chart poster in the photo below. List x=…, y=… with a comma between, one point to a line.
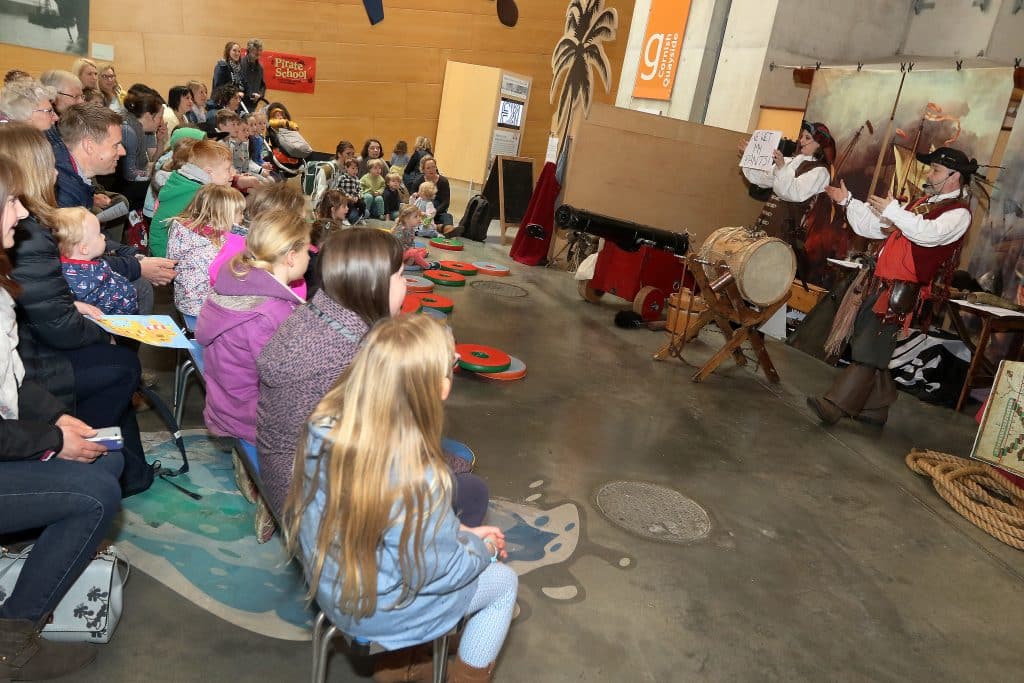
x=1000, y=440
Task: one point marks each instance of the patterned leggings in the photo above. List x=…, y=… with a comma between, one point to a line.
x=490, y=613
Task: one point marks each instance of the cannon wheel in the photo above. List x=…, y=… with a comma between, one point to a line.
x=649, y=303
x=589, y=293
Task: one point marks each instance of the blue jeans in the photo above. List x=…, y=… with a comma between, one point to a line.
x=74, y=504
x=374, y=205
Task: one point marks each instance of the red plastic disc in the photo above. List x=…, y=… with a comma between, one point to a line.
x=479, y=358
x=417, y=284
x=434, y=301
x=460, y=267
x=516, y=370
x=453, y=244
x=445, y=277
x=411, y=304
x=488, y=268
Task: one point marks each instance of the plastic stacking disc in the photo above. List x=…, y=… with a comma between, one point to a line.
x=440, y=316
x=418, y=285
x=411, y=304
x=488, y=268
x=516, y=370
x=459, y=450
x=460, y=267
x=445, y=277
x=480, y=358
x=419, y=245
x=453, y=244
x=435, y=301
x=412, y=268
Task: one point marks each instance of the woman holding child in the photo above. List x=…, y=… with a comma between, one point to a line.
x=63, y=351
x=51, y=479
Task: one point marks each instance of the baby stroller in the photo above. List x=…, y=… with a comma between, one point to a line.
x=288, y=148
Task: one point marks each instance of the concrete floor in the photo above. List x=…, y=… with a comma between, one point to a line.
x=827, y=559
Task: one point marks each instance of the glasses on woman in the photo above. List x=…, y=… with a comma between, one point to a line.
x=77, y=98
x=48, y=112
x=109, y=77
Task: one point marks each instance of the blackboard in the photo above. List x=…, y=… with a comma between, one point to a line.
x=508, y=189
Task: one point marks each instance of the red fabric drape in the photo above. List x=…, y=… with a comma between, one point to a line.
x=540, y=211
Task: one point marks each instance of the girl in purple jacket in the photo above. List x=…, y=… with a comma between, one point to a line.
x=249, y=300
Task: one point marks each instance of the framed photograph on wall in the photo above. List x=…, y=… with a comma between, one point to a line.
x=54, y=25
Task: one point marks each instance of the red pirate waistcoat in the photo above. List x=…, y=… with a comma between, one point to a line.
x=902, y=260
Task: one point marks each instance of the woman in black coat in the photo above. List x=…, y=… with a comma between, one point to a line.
x=51, y=478
x=70, y=356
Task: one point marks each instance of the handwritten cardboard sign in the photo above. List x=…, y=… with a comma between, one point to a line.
x=760, y=148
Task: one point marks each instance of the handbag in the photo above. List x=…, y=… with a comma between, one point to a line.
x=91, y=608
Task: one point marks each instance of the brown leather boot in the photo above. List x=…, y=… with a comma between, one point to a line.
x=411, y=665
x=460, y=672
x=26, y=656
x=883, y=394
x=846, y=396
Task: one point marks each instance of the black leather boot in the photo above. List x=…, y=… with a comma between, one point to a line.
x=27, y=656
x=883, y=394
x=846, y=396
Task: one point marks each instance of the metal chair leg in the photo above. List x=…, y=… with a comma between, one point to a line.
x=441, y=659
x=320, y=670
x=179, y=406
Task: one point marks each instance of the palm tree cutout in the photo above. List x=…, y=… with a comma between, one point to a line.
x=579, y=52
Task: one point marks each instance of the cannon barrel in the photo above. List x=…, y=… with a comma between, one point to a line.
x=626, y=235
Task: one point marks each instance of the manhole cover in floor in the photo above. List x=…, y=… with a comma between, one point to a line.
x=499, y=289
x=653, y=511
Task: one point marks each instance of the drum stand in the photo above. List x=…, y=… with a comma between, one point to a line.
x=725, y=306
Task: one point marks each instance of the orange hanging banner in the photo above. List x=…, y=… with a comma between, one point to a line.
x=282, y=71
x=659, y=54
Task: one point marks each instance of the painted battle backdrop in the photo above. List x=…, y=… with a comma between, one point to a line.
x=870, y=115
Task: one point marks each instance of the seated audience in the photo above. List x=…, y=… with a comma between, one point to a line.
x=144, y=114
x=362, y=283
x=411, y=176
x=176, y=156
x=372, y=187
x=442, y=199
x=67, y=89
x=348, y=183
x=200, y=95
x=62, y=350
x=404, y=230
x=250, y=299
x=91, y=280
x=400, y=157
x=238, y=142
x=372, y=149
x=113, y=95
x=27, y=101
x=386, y=557
x=196, y=237
x=87, y=73
x=53, y=483
x=179, y=104
x=331, y=214
x=210, y=162
x=395, y=194
x=424, y=201
x=225, y=97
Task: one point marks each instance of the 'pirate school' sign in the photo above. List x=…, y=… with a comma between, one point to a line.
x=659, y=54
x=282, y=71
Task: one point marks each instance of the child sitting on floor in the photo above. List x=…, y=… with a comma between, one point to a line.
x=405, y=232
x=330, y=214
x=249, y=300
x=370, y=510
x=196, y=237
x=91, y=280
x=400, y=157
x=395, y=194
x=372, y=187
x=348, y=182
x=424, y=201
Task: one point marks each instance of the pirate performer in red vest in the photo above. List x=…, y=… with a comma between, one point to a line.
x=915, y=263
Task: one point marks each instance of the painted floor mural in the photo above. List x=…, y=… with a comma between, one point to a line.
x=206, y=551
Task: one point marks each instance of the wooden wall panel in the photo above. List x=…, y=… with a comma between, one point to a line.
x=383, y=81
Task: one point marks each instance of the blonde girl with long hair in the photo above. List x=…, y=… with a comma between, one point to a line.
x=409, y=220
x=371, y=510
x=195, y=239
x=250, y=299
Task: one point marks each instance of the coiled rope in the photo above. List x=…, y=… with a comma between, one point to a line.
x=977, y=491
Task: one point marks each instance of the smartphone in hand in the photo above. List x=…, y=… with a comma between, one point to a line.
x=108, y=437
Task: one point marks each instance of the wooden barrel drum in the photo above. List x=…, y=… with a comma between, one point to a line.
x=763, y=267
